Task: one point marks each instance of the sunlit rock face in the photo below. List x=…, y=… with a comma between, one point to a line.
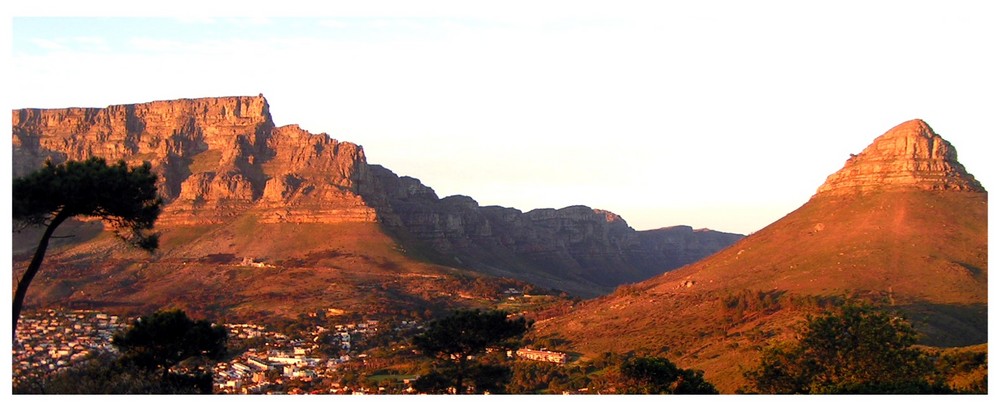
x=217, y=158
x=910, y=156
x=223, y=158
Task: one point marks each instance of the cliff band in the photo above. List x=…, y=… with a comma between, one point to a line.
x=223, y=158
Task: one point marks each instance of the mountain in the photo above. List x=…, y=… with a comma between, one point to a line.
x=902, y=222
x=578, y=249
x=267, y=220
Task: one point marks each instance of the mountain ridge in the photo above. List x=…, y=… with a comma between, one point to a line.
x=222, y=159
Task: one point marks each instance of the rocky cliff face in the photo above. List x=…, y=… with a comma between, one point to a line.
x=217, y=157
x=594, y=248
x=221, y=158
x=909, y=156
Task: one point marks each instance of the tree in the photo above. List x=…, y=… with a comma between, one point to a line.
x=123, y=196
x=456, y=342
x=657, y=375
x=103, y=373
x=858, y=349
x=149, y=350
x=164, y=339
x=645, y=374
x=536, y=376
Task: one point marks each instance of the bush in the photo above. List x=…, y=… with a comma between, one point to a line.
x=857, y=349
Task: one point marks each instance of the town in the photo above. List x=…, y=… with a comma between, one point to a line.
x=48, y=341
x=51, y=340
x=319, y=360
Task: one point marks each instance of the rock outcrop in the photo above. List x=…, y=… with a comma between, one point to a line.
x=222, y=158
x=909, y=156
x=216, y=157
x=595, y=248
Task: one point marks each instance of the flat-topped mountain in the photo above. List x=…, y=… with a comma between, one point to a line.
x=902, y=223
x=217, y=157
x=237, y=186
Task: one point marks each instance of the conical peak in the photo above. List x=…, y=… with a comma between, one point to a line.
x=914, y=139
x=911, y=128
x=908, y=156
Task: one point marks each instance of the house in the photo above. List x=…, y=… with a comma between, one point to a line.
x=542, y=355
x=249, y=262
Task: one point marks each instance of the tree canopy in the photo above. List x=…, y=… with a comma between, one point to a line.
x=123, y=196
x=159, y=342
x=858, y=349
x=657, y=375
x=165, y=338
x=456, y=341
x=104, y=373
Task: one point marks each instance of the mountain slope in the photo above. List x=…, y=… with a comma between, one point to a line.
x=336, y=229
x=901, y=222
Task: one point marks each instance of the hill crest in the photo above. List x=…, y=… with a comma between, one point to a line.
x=914, y=241
x=908, y=156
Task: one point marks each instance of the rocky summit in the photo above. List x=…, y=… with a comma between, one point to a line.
x=909, y=156
x=902, y=224
x=223, y=159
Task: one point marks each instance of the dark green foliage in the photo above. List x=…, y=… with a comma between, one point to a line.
x=123, y=196
x=162, y=340
x=469, y=333
x=118, y=194
x=858, y=349
x=433, y=382
x=532, y=377
x=490, y=378
x=457, y=344
x=609, y=373
x=329, y=344
x=737, y=305
x=657, y=375
x=966, y=371
x=104, y=374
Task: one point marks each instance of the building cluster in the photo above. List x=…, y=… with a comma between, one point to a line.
x=542, y=355
x=249, y=262
x=283, y=359
x=48, y=341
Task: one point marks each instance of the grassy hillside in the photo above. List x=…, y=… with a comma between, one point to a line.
x=923, y=253
x=353, y=268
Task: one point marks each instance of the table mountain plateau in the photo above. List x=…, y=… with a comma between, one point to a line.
x=902, y=223
x=266, y=219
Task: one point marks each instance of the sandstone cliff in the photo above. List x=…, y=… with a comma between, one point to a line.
x=217, y=157
x=908, y=156
x=222, y=158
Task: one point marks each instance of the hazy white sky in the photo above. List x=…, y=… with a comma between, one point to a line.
x=718, y=114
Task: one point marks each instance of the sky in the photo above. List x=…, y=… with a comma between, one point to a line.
x=719, y=114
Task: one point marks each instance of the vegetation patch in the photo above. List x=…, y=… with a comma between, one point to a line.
x=205, y=161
